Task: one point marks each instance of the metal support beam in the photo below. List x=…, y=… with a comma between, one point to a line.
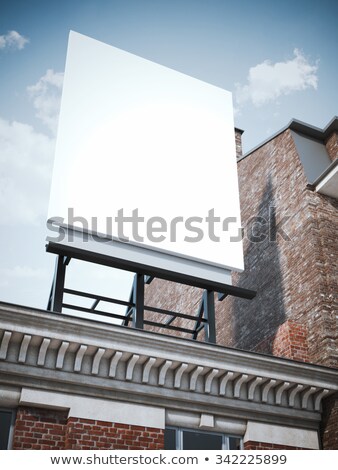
x=56, y=297
x=129, y=310
x=221, y=296
x=95, y=304
x=138, y=300
x=148, y=279
x=209, y=313
x=135, y=308
x=199, y=317
x=153, y=271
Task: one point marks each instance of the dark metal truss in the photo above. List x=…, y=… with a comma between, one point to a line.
x=136, y=308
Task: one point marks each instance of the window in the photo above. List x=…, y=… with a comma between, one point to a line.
x=190, y=439
x=6, y=420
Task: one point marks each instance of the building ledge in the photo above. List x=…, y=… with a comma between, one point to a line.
x=60, y=353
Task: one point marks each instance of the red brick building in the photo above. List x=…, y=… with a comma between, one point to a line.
x=270, y=382
x=288, y=193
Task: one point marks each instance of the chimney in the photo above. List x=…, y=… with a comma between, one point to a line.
x=238, y=141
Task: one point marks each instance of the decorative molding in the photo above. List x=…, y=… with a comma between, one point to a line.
x=43, y=351
x=194, y=376
x=79, y=357
x=254, y=384
x=280, y=390
x=178, y=374
x=131, y=365
x=163, y=372
x=228, y=377
x=306, y=396
x=24, y=347
x=114, y=363
x=207, y=421
x=266, y=389
x=209, y=379
x=61, y=354
x=147, y=369
x=238, y=385
x=4, y=344
x=156, y=368
x=294, y=392
x=96, y=360
x=319, y=398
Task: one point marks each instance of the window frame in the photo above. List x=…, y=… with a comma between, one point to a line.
x=12, y=411
x=225, y=437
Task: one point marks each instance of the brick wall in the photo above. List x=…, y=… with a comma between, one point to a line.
x=290, y=258
x=332, y=146
x=329, y=427
x=290, y=341
x=293, y=272
x=36, y=428
x=39, y=429
x=87, y=434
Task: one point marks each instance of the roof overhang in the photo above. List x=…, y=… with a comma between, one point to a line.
x=327, y=183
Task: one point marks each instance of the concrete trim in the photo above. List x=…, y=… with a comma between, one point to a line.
x=65, y=327
x=96, y=409
x=194, y=420
x=207, y=421
x=281, y=435
x=185, y=374
x=327, y=184
x=9, y=396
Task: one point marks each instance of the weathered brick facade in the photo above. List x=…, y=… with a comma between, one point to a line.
x=291, y=257
x=290, y=254
x=39, y=429
x=329, y=428
x=331, y=145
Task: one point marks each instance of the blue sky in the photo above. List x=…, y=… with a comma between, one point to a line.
x=278, y=58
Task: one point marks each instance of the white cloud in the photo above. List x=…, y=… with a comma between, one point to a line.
x=46, y=96
x=26, y=158
x=268, y=81
x=13, y=40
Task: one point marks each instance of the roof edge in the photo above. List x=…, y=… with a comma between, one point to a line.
x=303, y=128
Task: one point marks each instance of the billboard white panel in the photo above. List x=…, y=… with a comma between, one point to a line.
x=146, y=154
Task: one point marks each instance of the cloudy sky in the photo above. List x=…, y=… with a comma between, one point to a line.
x=278, y=58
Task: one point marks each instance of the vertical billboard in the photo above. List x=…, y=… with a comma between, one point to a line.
x=145, y=157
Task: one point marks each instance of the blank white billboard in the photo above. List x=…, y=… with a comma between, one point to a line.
x=147, y=154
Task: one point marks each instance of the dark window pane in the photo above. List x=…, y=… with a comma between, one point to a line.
x=201, y=441
x=5, y=425
x=170, y=439
x=234, y=443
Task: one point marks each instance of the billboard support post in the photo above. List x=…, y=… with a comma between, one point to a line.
x=134, y=316
x=138, y=299
x=56, y=294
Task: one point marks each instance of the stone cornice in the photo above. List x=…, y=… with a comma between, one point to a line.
x=60, y=352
